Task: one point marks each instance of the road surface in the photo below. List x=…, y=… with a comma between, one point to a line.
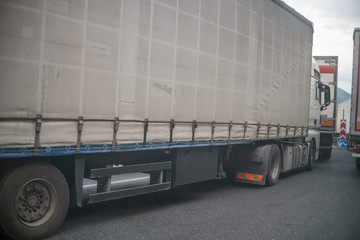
x=320, y=204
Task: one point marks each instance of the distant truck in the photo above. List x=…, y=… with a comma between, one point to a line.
x=179, y=90
x=328, y=66
x=354, y=136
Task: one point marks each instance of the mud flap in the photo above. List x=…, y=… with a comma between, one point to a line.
x=251, y=165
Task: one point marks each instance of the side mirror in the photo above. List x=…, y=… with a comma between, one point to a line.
x=327, y=95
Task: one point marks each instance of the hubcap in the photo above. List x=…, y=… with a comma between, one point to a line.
x=36, y=202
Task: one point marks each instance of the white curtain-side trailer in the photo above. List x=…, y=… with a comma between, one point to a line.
x=354, y=138
x=179, y=91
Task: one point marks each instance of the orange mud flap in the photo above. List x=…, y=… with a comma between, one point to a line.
x=252, y=178
x=251, y=165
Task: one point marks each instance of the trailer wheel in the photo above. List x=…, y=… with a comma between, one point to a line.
x=358, y=163
x=311, y=161
x=34, y=200
x=273, y=170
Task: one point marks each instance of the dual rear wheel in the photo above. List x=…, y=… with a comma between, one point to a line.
x=312, y=156
x=274, y=166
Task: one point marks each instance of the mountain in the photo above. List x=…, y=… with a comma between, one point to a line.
x=342, y=95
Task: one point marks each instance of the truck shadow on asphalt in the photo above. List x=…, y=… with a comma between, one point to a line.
x=127, y=207
x=292, y=173
x=148, y=203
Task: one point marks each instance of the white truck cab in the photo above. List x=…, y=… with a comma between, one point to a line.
x=317, y=92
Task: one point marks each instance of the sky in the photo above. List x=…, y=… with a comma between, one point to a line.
x=334, y=22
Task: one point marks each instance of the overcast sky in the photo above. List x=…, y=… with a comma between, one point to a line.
x=334, y=22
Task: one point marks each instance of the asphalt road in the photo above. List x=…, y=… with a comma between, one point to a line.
x=320, y=204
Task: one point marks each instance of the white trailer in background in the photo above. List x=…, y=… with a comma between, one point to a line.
x=354, y=135
x=183, y=91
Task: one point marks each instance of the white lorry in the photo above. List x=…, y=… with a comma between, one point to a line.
x=183, y=91
x=319, y=99
x=328, y=66
x=354, y=135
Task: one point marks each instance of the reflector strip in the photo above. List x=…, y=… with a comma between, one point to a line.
x=327, y=69
x=250, y=177
x=327, y=123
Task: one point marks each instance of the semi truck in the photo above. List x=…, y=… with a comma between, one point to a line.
x=354, y=135
x=328, y=66
x=181, y=91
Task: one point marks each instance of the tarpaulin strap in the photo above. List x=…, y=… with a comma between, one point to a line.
x=80, y=128
x=295, y=129
x=258, y=130
x=229, y=136
x=37, y=135
x=245, y=128
x=116, y=128
x=278, y=131
x=287, y=131
x=194, y=126
x=212, y=132
x=172, y=126
x=146, y=128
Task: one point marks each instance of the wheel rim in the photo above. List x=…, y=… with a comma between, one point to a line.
x=275, y=163
x=35, y=202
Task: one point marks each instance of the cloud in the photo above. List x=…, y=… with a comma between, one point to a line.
x=334, y=23
x=346, y=9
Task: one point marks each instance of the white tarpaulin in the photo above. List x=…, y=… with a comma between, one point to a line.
x=221, y=61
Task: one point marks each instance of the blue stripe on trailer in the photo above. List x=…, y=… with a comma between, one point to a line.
x=20, y=152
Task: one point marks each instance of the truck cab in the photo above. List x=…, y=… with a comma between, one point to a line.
x=328, y=67
x=319, y=98
x=315, y=97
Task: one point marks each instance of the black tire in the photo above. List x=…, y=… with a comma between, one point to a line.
x=34, y=200
x=312, y=154
x=358, y=163
x=325, y=153
x=274, y=165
